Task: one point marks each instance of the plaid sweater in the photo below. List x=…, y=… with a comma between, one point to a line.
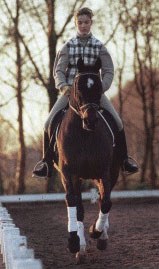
x=65, y=61
x=89, y=53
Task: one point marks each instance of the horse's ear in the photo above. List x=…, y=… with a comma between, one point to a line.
x=95, y=68
x=98, y=64
x=80, y=65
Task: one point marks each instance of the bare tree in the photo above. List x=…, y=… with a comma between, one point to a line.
x=141, y=22
x=20, y=169
x=20, y=173
x=39, y=12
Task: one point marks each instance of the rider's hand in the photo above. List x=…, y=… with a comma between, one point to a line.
x=66, y=90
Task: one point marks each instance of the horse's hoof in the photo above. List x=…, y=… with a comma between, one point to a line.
x=74, y=243
x=80, y=257
x=94, y=233
x=102, y=244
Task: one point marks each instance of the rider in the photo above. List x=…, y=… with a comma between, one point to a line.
x=84, y=45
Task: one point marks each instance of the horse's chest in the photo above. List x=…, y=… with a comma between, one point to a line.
x=86, y=146
x=86, y=155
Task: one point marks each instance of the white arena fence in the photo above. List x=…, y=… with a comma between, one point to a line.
x=92, y=196
x=14, y=250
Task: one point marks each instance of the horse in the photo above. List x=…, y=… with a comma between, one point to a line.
x=85, y=146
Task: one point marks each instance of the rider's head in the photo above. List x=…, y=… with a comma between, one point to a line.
x=83, y=20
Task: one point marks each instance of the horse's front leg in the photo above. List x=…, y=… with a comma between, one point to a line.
x=100, y=228
x=71, y=203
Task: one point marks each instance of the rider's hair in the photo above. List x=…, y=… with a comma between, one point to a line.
x=83, y=11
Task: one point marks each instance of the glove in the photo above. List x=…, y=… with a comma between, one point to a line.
x=66, y=90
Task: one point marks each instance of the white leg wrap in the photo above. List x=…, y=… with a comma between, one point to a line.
x=81, y=235
x=72, y=219
x=102, y=221
x=104, y=234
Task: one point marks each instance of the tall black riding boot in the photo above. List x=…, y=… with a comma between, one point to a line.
x=128, y=165
x=43, y=169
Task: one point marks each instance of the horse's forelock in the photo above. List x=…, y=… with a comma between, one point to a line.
x=88, y=83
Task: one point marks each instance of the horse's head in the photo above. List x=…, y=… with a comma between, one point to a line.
x=86, y=93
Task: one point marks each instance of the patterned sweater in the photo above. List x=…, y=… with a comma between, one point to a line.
x=89, y=48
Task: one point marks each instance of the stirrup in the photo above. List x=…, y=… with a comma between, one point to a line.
x=131, y=160
x=38, y=166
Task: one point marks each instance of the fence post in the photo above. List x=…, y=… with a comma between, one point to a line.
x=14, y=249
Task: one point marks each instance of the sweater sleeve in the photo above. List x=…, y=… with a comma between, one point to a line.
x=107, y=70
x=60, y=66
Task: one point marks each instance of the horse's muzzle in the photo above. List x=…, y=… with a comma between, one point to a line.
x=89, y=116
x=89, y=124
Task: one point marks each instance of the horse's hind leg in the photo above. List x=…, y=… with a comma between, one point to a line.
x=80, y=255
x=99, y=229
x=80, y=225
x=103, y=239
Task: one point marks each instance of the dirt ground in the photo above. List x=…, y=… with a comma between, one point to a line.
x=133, y=234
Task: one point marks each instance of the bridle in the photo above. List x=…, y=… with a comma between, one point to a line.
x=84, y=108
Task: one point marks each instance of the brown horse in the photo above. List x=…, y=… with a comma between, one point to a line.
x=86, y=151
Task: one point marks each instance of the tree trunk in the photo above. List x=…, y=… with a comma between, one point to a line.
x=52, y=42
x=52, y=92
x=1, y=184
x=20, y=171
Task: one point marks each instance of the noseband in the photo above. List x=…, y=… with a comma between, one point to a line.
x=83, y=109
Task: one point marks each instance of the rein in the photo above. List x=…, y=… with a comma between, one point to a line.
x=85, y=106
x=107, y=124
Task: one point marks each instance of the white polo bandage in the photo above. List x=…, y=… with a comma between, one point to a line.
x=80, y=233
x=72, y=219
x=102, y=221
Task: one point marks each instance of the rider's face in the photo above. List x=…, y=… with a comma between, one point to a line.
x=83, y=24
